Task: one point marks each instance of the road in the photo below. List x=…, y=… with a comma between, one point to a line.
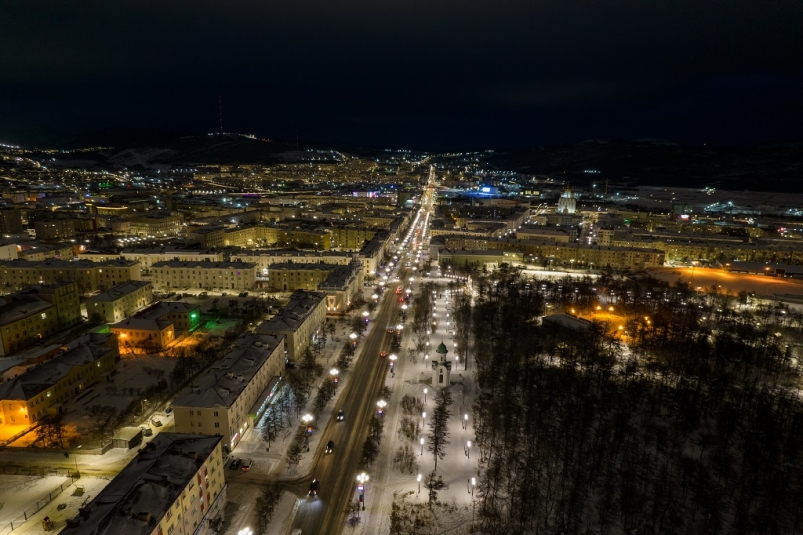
x=337, y=472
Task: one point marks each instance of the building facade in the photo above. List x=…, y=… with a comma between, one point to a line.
x=89, y=276
x=300, y=322
x=172, y=275
x=120, y=302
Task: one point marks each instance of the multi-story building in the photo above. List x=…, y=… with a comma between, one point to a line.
x=185, y=317
x=228, y=397
x=37, y=251
x=10, y=221
x=90, y=276
x=207, y=275
x=42, y=389
x=8, y=252
x=157, y=225
x=55, y=229
x=341, y=283
x=120, y=302
x=64, y=296
x=148, y=257
x=174, y=486
x=546, y=253
x=29, y=316
x=372, y=254
x=300, y=322
x=149, y=334
x=351, y=237
x=263, y=258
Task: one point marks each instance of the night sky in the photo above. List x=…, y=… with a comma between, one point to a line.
x=416, y=74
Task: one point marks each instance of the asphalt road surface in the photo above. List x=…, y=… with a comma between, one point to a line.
x=337, y=471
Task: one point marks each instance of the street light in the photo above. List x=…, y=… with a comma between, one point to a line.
x=468, y=449
x=143, y=402
x=425, y=395
x=419, y=483
x=307, y=418
x=471, y=484
x=353, y=337
x=362, y=478
x=423, y=418
x=422, y=445
x=334, y=373
x=465, y=420
x=245, y=531
x=381, y=404
x=365, y=314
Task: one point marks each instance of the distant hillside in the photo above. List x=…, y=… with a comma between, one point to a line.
x=186, y=150
x=776, y=167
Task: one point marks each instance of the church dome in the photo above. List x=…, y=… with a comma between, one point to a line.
x=442, y=349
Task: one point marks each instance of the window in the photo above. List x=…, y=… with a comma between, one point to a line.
x=217, y=424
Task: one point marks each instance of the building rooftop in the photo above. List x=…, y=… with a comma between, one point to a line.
x=121, y=290
x=43, y=376
x=340, y=276
x=158, y=310
x=142, y=324
x=203, y=264
x=146, y=487
x=297, y=310
x=66, y=264
x=15, y=307
x=222, y=384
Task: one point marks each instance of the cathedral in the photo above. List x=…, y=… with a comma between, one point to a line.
x=567, y=203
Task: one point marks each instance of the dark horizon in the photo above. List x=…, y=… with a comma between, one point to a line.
x=456, y=75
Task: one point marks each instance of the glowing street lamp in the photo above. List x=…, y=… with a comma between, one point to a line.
x=422, y=445
x=353, y=337
x=245, y=531
x=465, y=420
x=419, y=483
x=381, y=404
x=334, y=373
x=468, y=449
x=362, y=479
x=307, y=419
x=425, y=395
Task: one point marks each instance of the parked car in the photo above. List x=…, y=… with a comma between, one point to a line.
x=168, y=410
x=156, y=423
x=247, y=465
x=235, y=464
x=147, y=431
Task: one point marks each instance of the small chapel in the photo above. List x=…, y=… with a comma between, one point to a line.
x=441, y=368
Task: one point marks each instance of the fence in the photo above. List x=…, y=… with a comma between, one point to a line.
x=35, y=508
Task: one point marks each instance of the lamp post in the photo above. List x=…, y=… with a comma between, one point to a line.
x=307, y=418
x=353, y=337
x=471, y=484
x=392, y=359
x=468, y=449
x=419, y=483
x=143, y=402
x=465, y=420
x=423, y=419
x=334, y=372
x=422, y=445
x=362, y=479
x=245, y=531
x=425, y=396
x=381, y=404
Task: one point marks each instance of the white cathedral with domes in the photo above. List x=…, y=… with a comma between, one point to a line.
x=567, y=203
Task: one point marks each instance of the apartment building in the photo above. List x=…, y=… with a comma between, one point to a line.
x=264, y=258
x=372, y=254
x=175, y=485
x=351, y=237
x=90, y=276
x=207, y=275
x=148, y=334
x=300, y=322
x=37, y=251
x=148, y=257
x=55, y=229
x=42, y=389
x=120, y=302
x=228, y=397
x=29, y=316
x=157, y=225
x=545, y=252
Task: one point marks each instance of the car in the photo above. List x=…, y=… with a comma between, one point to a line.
x=156, y=423
x=246, y=466
x=235, y=463
x=147, y=431
x=313, y=487
x=330, y=446
x=340, y=416
x=391, y=330
x=168, y=410
x=383, y=354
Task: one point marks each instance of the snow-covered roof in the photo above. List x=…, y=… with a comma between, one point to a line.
x=223, y=383
x=119, y=291
x=294, y=314
x=142, y=493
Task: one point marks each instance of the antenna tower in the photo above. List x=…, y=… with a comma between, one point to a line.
x=220, y=111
